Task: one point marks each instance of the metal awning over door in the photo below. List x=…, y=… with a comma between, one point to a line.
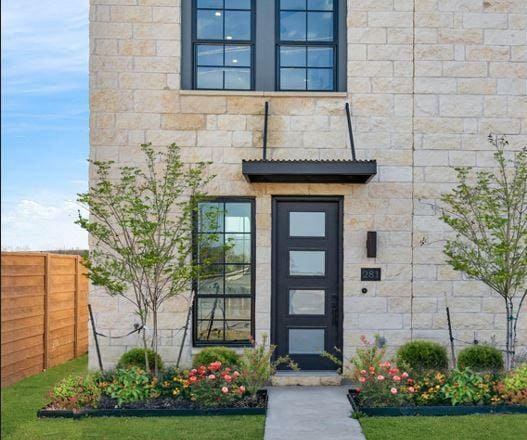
x=309, y=171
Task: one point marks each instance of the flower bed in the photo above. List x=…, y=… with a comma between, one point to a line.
x=132, y=392
x=432, y=410
x=165, y=408
x=385, y=391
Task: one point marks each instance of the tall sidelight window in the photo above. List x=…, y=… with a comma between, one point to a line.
x=223, y=44
x=223, y=307
x=307, y=45
x=264, y=45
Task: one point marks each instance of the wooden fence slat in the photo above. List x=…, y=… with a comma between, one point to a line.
x=44, y=312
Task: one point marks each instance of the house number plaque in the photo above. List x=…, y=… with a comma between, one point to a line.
x=370, y=274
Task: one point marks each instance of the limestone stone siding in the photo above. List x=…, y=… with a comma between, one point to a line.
x=427, y=81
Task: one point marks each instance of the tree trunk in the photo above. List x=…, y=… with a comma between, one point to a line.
x=155, y=345
x=510, y=337
x=145, y=347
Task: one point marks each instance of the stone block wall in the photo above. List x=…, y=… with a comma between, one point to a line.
x=427, y=81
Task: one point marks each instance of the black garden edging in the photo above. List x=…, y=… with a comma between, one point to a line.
x=55, y=413
x=433, y=410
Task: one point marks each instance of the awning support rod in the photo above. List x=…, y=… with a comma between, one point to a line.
x=350, y=131
x=266, y=116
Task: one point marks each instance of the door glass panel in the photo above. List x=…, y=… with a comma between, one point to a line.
x=306, y=302
x=306, y=341
x=307, y=263
x=307, y=224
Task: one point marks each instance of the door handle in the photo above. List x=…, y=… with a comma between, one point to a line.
x=334, y=314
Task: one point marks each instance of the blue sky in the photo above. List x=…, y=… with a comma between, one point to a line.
x=44, y=122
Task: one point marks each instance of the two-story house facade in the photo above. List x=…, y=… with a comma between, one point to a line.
x=259, y=88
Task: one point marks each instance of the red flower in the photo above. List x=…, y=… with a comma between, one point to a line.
x=227, y=378
x=192, y=379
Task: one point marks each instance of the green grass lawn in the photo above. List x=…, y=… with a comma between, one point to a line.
x=21, y=401
x=478, y=427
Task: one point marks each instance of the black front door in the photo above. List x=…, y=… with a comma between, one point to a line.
x=307, y=257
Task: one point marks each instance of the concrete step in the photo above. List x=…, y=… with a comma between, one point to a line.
x=306, y=378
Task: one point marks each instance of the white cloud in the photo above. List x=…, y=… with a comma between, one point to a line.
x=40, y=225
x=44, y=45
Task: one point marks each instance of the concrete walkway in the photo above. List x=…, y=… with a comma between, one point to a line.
x=310, y=413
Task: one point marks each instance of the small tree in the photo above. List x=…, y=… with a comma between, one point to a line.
x=141, y=220
x=489, y=217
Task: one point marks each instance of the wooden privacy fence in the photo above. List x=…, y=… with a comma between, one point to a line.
x=44, y=312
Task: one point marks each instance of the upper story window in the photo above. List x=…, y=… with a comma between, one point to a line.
x=223, y=44
x=265, y=45
x=307, y=45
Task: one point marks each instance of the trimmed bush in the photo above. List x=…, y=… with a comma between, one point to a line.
x=136, y=358
x=227, y=357
x=480, y=358
x=422, y=355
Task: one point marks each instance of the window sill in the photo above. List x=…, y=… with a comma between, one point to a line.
x=264, y=93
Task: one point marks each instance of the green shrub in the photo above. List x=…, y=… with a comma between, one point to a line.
x=258, y=364
x=131, y=385
x=136, y=358
x=464, y=387
x=227, y=356
x=75, y=392
x=422, y=355
x=480, y=358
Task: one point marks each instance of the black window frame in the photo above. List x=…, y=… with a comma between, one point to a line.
x=307, y=44
x=264, y=69
x=237, y=343
x=209, y=42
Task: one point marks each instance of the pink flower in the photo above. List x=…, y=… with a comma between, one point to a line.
x=393, y=391
x=362, y=379
x=192, y=379
x=396, y=378
x=224, y=390
x=227, y=378
x=211, y=377
x=362, y=371
x=411, y=389
x=235, y=374
x=193, y=371
x=215, y=366
x=242, y=389
x=380, y=377
x=357, y=390
x=404, y=375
